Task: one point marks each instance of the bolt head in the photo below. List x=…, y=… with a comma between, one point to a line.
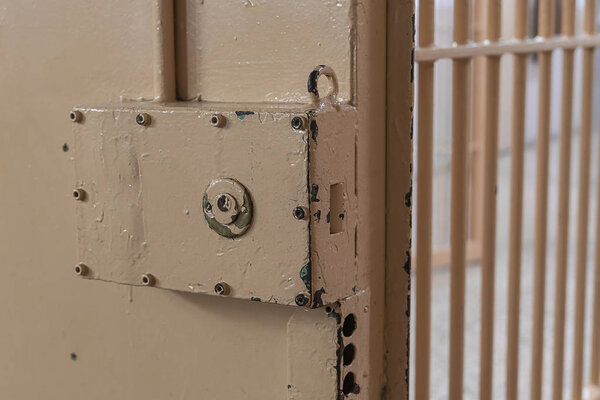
x=75, y=116
x=301, y=300
x=222, y=289
x=79, y=194
x=81, y=269
x=142, y=119
x=147, y=280
x=217, y=120
x=299, y=213
x=299, y=123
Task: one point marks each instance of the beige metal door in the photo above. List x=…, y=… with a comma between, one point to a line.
x=162, y=233
x=522, y=92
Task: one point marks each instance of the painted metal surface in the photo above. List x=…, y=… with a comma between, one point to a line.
x=145, y=208
x=261, y=50
x=146, y=174
x=80, y=338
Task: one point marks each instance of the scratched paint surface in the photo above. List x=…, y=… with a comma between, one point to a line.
x=262, y=50
x=143, y=212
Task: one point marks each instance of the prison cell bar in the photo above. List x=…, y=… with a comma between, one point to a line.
x=458, y=201
x=477, y=136
x=595, y=357
x=562, y=235
x=490, y=159
x=545, y=17
x=424, y=182
x=583, y=203
x=523, y=46
x=516, y=209
x=461, y=53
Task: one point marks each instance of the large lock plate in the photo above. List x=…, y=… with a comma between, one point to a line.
x=230, y=200
x=145, y=186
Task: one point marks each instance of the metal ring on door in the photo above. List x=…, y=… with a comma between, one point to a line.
x=313, y=80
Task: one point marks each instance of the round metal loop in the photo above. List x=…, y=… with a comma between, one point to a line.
x=313, y=79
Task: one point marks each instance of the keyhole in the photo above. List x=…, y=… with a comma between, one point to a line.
x=223, y=203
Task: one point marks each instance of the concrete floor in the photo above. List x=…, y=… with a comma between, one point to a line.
x=441, y=292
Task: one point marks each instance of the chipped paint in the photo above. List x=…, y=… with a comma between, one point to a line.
x=314, y=192
x=139, y=180
x=243, y=114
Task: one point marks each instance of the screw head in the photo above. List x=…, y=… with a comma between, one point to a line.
x=217, y=120
x=299, y=123
x=81, y=269
x=222, y=289
x=299, y=212
x=79, y=194
x=142, y=119
x=75, y=116
x=301, y=300
x=147, y=280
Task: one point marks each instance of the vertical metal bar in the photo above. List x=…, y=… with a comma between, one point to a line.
x=458, y=219
x=582, y=222
x=424, y=195
x=583, y=204
x=164, y=50
x=398, y=148
x=478, y=129
x=562, y=237
x=488, y=253
x=595, y=356
x=516, y=206
x=545, y=18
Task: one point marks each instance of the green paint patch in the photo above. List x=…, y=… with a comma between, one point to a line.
x=242, y=114
x=305, y=275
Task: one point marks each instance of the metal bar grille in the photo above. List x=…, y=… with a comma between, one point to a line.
x=516, y=46
x=465, y=85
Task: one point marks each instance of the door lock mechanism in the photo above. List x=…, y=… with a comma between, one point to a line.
x=227, y=207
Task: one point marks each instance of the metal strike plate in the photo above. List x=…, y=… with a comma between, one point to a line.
x=151, y=178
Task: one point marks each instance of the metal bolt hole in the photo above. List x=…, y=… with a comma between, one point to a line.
x=349, y=325
x=349, y=385
x=348, y=354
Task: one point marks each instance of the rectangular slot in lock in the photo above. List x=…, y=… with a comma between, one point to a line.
x=337, y=217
